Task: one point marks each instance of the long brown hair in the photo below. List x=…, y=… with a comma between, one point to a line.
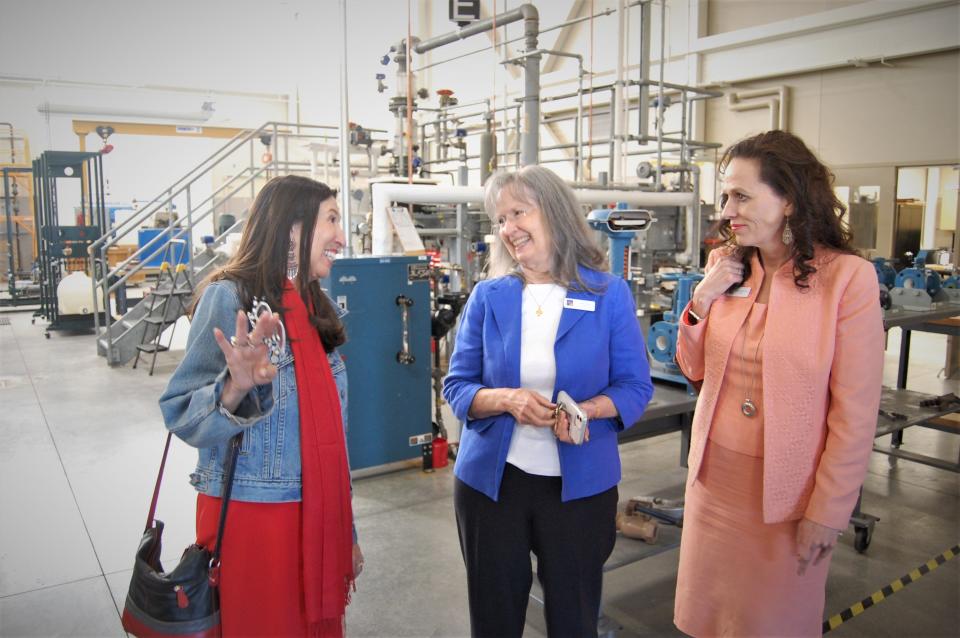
x=573, y=243
x=259, y=268
x=797, y=175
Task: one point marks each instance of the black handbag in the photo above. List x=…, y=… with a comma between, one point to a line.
x=184, y=601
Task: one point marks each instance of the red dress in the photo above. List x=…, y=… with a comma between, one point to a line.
x=261, y=590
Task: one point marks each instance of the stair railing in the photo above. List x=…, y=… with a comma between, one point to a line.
x=274, y=133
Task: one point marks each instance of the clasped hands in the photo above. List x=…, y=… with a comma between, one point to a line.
x=529, y=407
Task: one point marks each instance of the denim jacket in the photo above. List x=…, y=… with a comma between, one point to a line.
x=268, y=466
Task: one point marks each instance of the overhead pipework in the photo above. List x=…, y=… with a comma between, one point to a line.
x=530, y=133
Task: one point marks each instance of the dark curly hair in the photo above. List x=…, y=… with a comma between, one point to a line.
x=797, y=175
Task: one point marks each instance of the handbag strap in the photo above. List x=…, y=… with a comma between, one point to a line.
x=227, y=489
x=225, y=497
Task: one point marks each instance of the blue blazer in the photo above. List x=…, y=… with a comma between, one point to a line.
x=597, y=352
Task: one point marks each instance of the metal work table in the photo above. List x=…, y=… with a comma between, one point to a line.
x=670, y=410
x=919, y=320
x=906, y=403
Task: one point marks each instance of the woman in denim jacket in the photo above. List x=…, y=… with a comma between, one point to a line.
x=289, y=556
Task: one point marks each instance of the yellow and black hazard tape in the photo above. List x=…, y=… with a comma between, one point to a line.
x=855, y=610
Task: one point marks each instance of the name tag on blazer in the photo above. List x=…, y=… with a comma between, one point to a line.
x=742, y=292
x=580, y=304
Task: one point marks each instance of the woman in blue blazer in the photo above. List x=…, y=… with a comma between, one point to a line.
x=547, y=320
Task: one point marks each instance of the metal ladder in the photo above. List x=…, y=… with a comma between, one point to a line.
x=172, y=307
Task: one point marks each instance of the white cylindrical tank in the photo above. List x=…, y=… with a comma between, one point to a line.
x=75, y=295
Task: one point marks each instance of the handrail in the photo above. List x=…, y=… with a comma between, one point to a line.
x=237, y=182
x=139, y=252
x=181, y=230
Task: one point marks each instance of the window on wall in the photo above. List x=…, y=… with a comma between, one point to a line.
x=926, y=214
x=862, y=212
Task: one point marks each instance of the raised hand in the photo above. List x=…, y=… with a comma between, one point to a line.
x=247, y=357
x=726, y=272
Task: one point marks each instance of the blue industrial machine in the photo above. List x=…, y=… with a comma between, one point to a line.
x=662, y=338
x=919, y=276
x=177, y=253
x=886, y=274
x=620, y=225
x=387, y=354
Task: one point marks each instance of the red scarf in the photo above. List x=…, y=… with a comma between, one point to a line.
x=327, y=515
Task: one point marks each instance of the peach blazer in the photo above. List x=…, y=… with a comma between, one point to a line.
x=822, y=374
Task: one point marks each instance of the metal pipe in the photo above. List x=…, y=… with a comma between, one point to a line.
x=673, y=140
x=777, y=104
x=616, y=119
x=384, y=193
x=644, y=99
x=660, y=105
x=344, y=140
x=599, y=14
x=523, y=12
x=530, y=137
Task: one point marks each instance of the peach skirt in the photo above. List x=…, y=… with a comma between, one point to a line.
x=737, y=574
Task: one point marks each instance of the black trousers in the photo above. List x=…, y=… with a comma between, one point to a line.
x=571, y=540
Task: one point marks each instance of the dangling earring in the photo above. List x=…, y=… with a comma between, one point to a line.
x=292, y=262
x=787, y=234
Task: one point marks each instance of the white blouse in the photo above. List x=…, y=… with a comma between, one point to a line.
x=534, y=449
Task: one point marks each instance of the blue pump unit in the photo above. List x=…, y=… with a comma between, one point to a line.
x=387, y=355
x=620, y=225
x=919, y=276
x=886, y=274
x=662, y=338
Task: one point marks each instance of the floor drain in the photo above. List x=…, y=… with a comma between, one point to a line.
x=4, y=321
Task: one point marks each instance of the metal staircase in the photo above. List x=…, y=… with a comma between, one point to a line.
x=251, y=158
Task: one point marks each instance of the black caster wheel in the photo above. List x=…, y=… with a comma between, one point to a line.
x=33, y=322
x=861, y=541
x=46, y=334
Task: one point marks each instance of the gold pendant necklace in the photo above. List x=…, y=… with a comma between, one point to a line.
x=748, y=407
x=539, y=304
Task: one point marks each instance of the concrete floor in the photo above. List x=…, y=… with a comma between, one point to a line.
x=82, y=442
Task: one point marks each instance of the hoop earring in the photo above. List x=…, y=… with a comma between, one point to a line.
x=787, y=234
x=292, y=268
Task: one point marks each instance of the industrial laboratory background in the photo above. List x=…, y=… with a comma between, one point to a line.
x=135, y=136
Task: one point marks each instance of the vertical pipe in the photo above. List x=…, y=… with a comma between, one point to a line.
x=578, y=133
x=488, y=154
x=613, y=159
x=189, y=248
x=7, y=197
x=697, y=223
x=643, y=109
x=616, y=105
x=463, y=176
x=660, y=105
x=344, y=139
x=530, y=152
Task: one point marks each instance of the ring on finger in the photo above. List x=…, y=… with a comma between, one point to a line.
x=236, y=343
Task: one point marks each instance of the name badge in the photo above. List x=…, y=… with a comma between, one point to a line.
x=580, y=304
x=742, y=291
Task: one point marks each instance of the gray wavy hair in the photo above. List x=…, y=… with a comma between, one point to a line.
x=573, y=243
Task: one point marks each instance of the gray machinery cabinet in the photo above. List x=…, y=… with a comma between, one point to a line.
x=388, y=398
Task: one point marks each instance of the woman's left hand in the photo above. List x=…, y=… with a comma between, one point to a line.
x=562, y=429
x=814, y=543
x=357, y=560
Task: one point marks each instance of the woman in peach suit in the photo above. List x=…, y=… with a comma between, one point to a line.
x=785, y=330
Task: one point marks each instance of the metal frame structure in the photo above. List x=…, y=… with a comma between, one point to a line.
x=18, y=294
x=54, y=253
